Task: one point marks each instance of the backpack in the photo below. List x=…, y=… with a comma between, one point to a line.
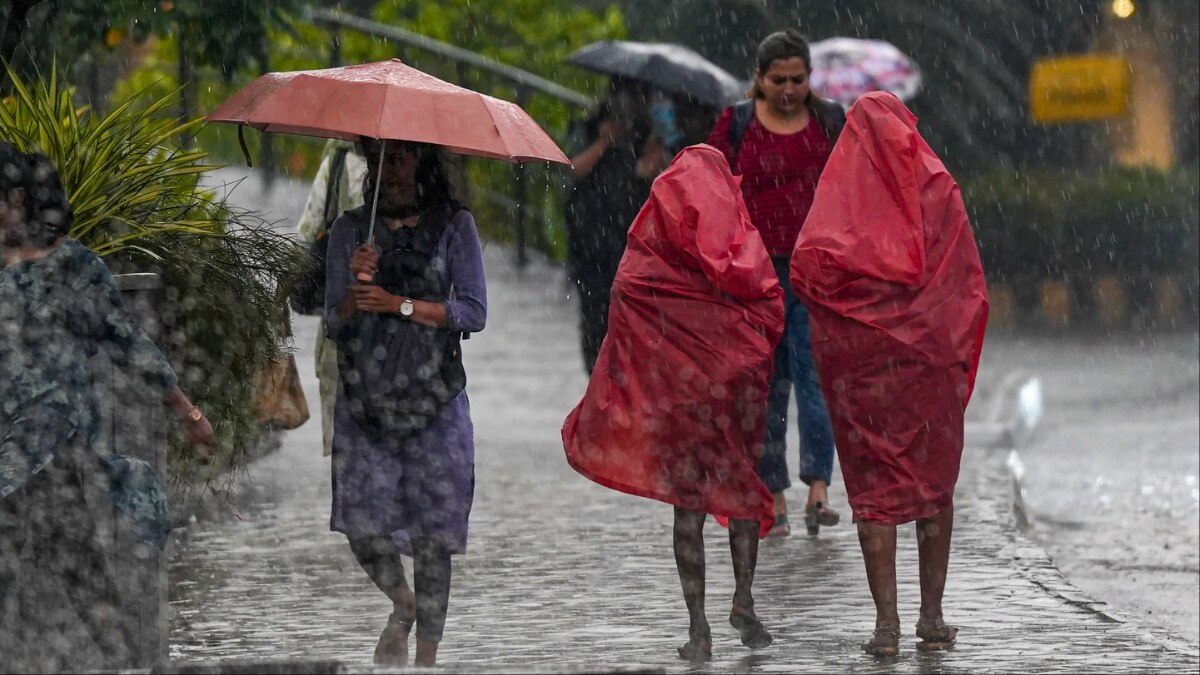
x=398, y=375
x=307, y=295
x=829, y=114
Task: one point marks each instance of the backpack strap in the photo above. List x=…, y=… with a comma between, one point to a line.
x=830, y=115
x=743, y=112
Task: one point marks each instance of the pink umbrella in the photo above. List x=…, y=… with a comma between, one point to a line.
x=388, y=100
x=844, y=69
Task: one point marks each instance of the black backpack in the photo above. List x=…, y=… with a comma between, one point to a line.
x=398, y=376
x=829, y=114
x=307, y=295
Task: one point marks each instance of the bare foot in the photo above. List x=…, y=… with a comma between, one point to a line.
x=426, y=654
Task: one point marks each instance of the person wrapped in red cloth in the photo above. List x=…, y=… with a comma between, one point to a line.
x=888, y=267
x=676, y=404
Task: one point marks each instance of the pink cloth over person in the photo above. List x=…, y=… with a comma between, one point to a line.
x=888, y=266
x=676, y=407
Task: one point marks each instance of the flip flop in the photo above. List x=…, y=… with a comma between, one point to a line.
x=883, y=642
x=817, y=515
x=936, y=636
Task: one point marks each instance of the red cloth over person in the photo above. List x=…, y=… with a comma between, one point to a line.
x=676, y=406
x=888, y=267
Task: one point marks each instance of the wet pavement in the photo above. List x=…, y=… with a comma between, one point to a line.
x=562, y=574
x=1111, y=479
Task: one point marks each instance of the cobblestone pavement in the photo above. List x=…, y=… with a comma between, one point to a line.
x=564, y=574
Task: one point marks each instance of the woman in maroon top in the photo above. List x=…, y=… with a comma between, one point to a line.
x=779, y=141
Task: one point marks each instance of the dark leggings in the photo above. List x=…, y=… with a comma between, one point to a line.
x=380, y=558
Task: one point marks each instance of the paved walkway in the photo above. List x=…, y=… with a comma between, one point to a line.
x=562, y=574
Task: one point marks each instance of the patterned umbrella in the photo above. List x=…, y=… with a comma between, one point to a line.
x=846, y=68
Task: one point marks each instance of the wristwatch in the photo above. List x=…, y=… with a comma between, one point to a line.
x=195, y=414
x=406, y=307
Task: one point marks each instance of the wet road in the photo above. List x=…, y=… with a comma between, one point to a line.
x=1111, y=480
x=564, y=574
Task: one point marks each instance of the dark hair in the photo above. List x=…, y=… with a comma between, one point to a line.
x=779, y=46
x=433, y=181
x=48, y=213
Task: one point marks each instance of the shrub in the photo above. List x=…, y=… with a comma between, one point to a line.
x=140, y=207
x=1132, y=222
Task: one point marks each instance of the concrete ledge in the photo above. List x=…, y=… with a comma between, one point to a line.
x=140, y=281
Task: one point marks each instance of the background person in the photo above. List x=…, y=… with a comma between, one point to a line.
x=779, y=142
x=610, y=186
x=336, y=188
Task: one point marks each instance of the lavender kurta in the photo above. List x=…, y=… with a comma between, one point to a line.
x=422, y=486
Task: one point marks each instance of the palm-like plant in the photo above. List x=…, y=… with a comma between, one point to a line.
x=140, y=206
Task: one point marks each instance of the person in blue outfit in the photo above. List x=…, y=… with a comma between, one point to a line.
x=60, y=310
x=403, y=440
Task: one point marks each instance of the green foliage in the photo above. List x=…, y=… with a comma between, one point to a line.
x=1135, y=222
x=535, y=35
x=139, y=205
x=227, y=35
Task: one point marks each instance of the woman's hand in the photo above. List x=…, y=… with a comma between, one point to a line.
x=364, y=261
x=199, y=434
x=372, y=298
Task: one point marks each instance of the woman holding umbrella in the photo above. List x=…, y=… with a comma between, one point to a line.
x=404, y=283
x=403, y=444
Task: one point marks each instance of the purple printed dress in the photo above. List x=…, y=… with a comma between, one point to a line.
x=422, y=486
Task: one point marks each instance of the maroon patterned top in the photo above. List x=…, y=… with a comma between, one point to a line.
x=779, y=176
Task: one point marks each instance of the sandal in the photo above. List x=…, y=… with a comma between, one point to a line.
x=936, y=636
x=883, y=642
x=781, y=528
x=754, y=635
x=392, y=649
x=817, y=515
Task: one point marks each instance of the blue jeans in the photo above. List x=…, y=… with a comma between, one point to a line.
x=795, y=365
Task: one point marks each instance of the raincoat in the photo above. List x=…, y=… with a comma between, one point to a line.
x=887, y=265
x=676, y=405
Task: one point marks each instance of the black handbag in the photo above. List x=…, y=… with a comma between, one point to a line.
x=398, y=376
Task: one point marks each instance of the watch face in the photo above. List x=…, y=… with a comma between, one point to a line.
x=406, y=307
x=195, y=414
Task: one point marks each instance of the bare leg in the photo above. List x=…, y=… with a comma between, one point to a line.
x=878, y=544
x=689, y=560
x=933, y=548
x=743, y=544
x=818, y=491
x=426, y=654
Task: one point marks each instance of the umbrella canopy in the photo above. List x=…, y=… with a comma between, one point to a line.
x=670, y=67
x=844, y=69
x=392, y=101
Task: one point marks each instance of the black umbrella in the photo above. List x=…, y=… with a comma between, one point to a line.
x=670, y=67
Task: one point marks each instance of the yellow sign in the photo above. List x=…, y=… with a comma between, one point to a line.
x=1079, y=88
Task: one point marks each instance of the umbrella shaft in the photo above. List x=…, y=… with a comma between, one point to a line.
x=375, y=200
